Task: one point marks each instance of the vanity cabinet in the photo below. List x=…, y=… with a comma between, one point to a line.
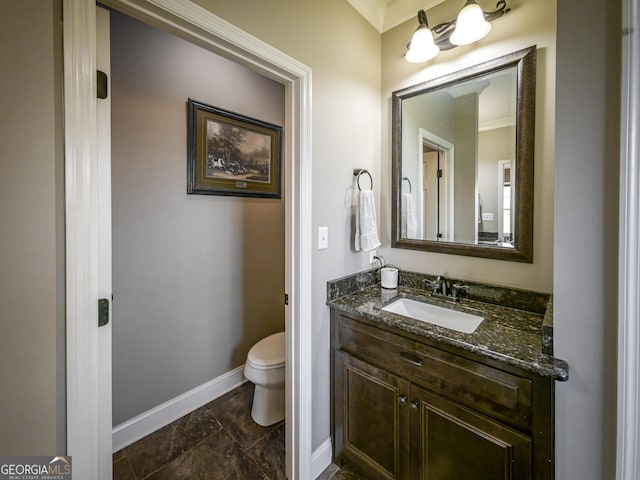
x=407, y=407
x=371, y=418
x=450, y=441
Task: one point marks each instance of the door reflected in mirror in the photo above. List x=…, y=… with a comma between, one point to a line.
x=460, y=135
x=463, y=161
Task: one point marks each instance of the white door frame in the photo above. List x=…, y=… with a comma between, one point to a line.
x=200, y=26
x=103, y=115
x=501, y=164
x=628, y=436
x=448, y=149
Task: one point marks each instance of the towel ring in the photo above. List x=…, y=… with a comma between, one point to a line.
x=408, y=181
x=359, y=171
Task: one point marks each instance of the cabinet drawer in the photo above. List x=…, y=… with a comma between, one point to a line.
x=499, y=394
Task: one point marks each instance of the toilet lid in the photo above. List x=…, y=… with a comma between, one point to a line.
x=269, y=351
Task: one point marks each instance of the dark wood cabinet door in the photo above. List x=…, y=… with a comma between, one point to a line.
x=371, y=414
x=452, y=442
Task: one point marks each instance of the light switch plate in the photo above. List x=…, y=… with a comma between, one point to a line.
x=488, y=217
x=323, y=238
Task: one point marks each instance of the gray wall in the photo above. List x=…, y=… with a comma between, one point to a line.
x=586, y=236
x=344, y=52
x=197, y=279
x=32, y=392
x=465, y=114
x=432, y=112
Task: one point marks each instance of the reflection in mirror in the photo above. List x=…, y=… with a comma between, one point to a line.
x=459, y=135
x=463, y=161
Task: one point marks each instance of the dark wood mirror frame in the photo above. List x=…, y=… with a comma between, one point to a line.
x=525, y=63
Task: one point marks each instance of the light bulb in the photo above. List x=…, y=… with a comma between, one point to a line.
x=470, y=25
x=422, y=48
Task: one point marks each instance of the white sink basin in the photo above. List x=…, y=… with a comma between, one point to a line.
x=443, y=317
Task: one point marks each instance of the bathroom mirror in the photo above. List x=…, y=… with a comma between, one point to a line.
x=462, y=161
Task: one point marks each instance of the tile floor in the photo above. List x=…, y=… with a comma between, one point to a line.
x=217, y=441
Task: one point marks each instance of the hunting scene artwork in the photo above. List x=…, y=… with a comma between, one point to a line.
x=231, y=154
x=237, y=153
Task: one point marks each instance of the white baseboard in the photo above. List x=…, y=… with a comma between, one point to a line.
x=148, y=422
x=321, y=458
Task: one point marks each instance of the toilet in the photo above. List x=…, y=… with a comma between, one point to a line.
x=265, y=369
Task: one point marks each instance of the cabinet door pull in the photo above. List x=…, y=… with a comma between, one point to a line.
x=415, y=405
x=412, y=359
x=402, y=400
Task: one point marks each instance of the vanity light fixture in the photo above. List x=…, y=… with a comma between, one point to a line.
x=422, y=48
x=471, y=24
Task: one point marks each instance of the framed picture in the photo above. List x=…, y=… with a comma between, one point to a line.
x=230, y=154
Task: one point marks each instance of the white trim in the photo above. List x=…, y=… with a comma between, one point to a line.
x=501, y=164
x=448, y=148
x=419, y=205
x=497, y=123
x=321, y=458
x=387, y=14
x=105, y=395
x=202, y=27
x=81, y=213
x=628, y=443
x=148, y=422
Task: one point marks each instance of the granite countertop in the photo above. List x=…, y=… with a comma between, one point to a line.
x=509, y=335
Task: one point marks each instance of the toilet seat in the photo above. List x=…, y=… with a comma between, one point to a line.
x=268, y=353
x=265, y=368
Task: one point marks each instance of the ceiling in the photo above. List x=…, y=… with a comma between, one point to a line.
x=386, y=14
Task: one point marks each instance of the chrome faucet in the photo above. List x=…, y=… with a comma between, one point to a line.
x=438, y=286
x=456, y=288
x=441, y=288
x=442, y=282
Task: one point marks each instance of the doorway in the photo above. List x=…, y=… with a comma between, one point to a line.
x=197, y=279
x=436, y=174
x=88, y=441
x=506, y=201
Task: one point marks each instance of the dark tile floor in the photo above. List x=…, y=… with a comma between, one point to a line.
x=217, y=441
x=334, y=472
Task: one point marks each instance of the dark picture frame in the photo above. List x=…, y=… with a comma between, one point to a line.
x=231, y=154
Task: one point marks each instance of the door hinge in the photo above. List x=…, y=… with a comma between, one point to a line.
x=101, y=91
x=286, y=299
x=439, y=173
x=103, y=312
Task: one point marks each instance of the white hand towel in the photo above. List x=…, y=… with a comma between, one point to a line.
x=366, y=237
x=403, y=215
x=409, y=224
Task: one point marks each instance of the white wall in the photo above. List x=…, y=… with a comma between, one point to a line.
x=586, y=240
x=32, y=355
x=493, y=145
x=197, y=279
x=529, y=23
